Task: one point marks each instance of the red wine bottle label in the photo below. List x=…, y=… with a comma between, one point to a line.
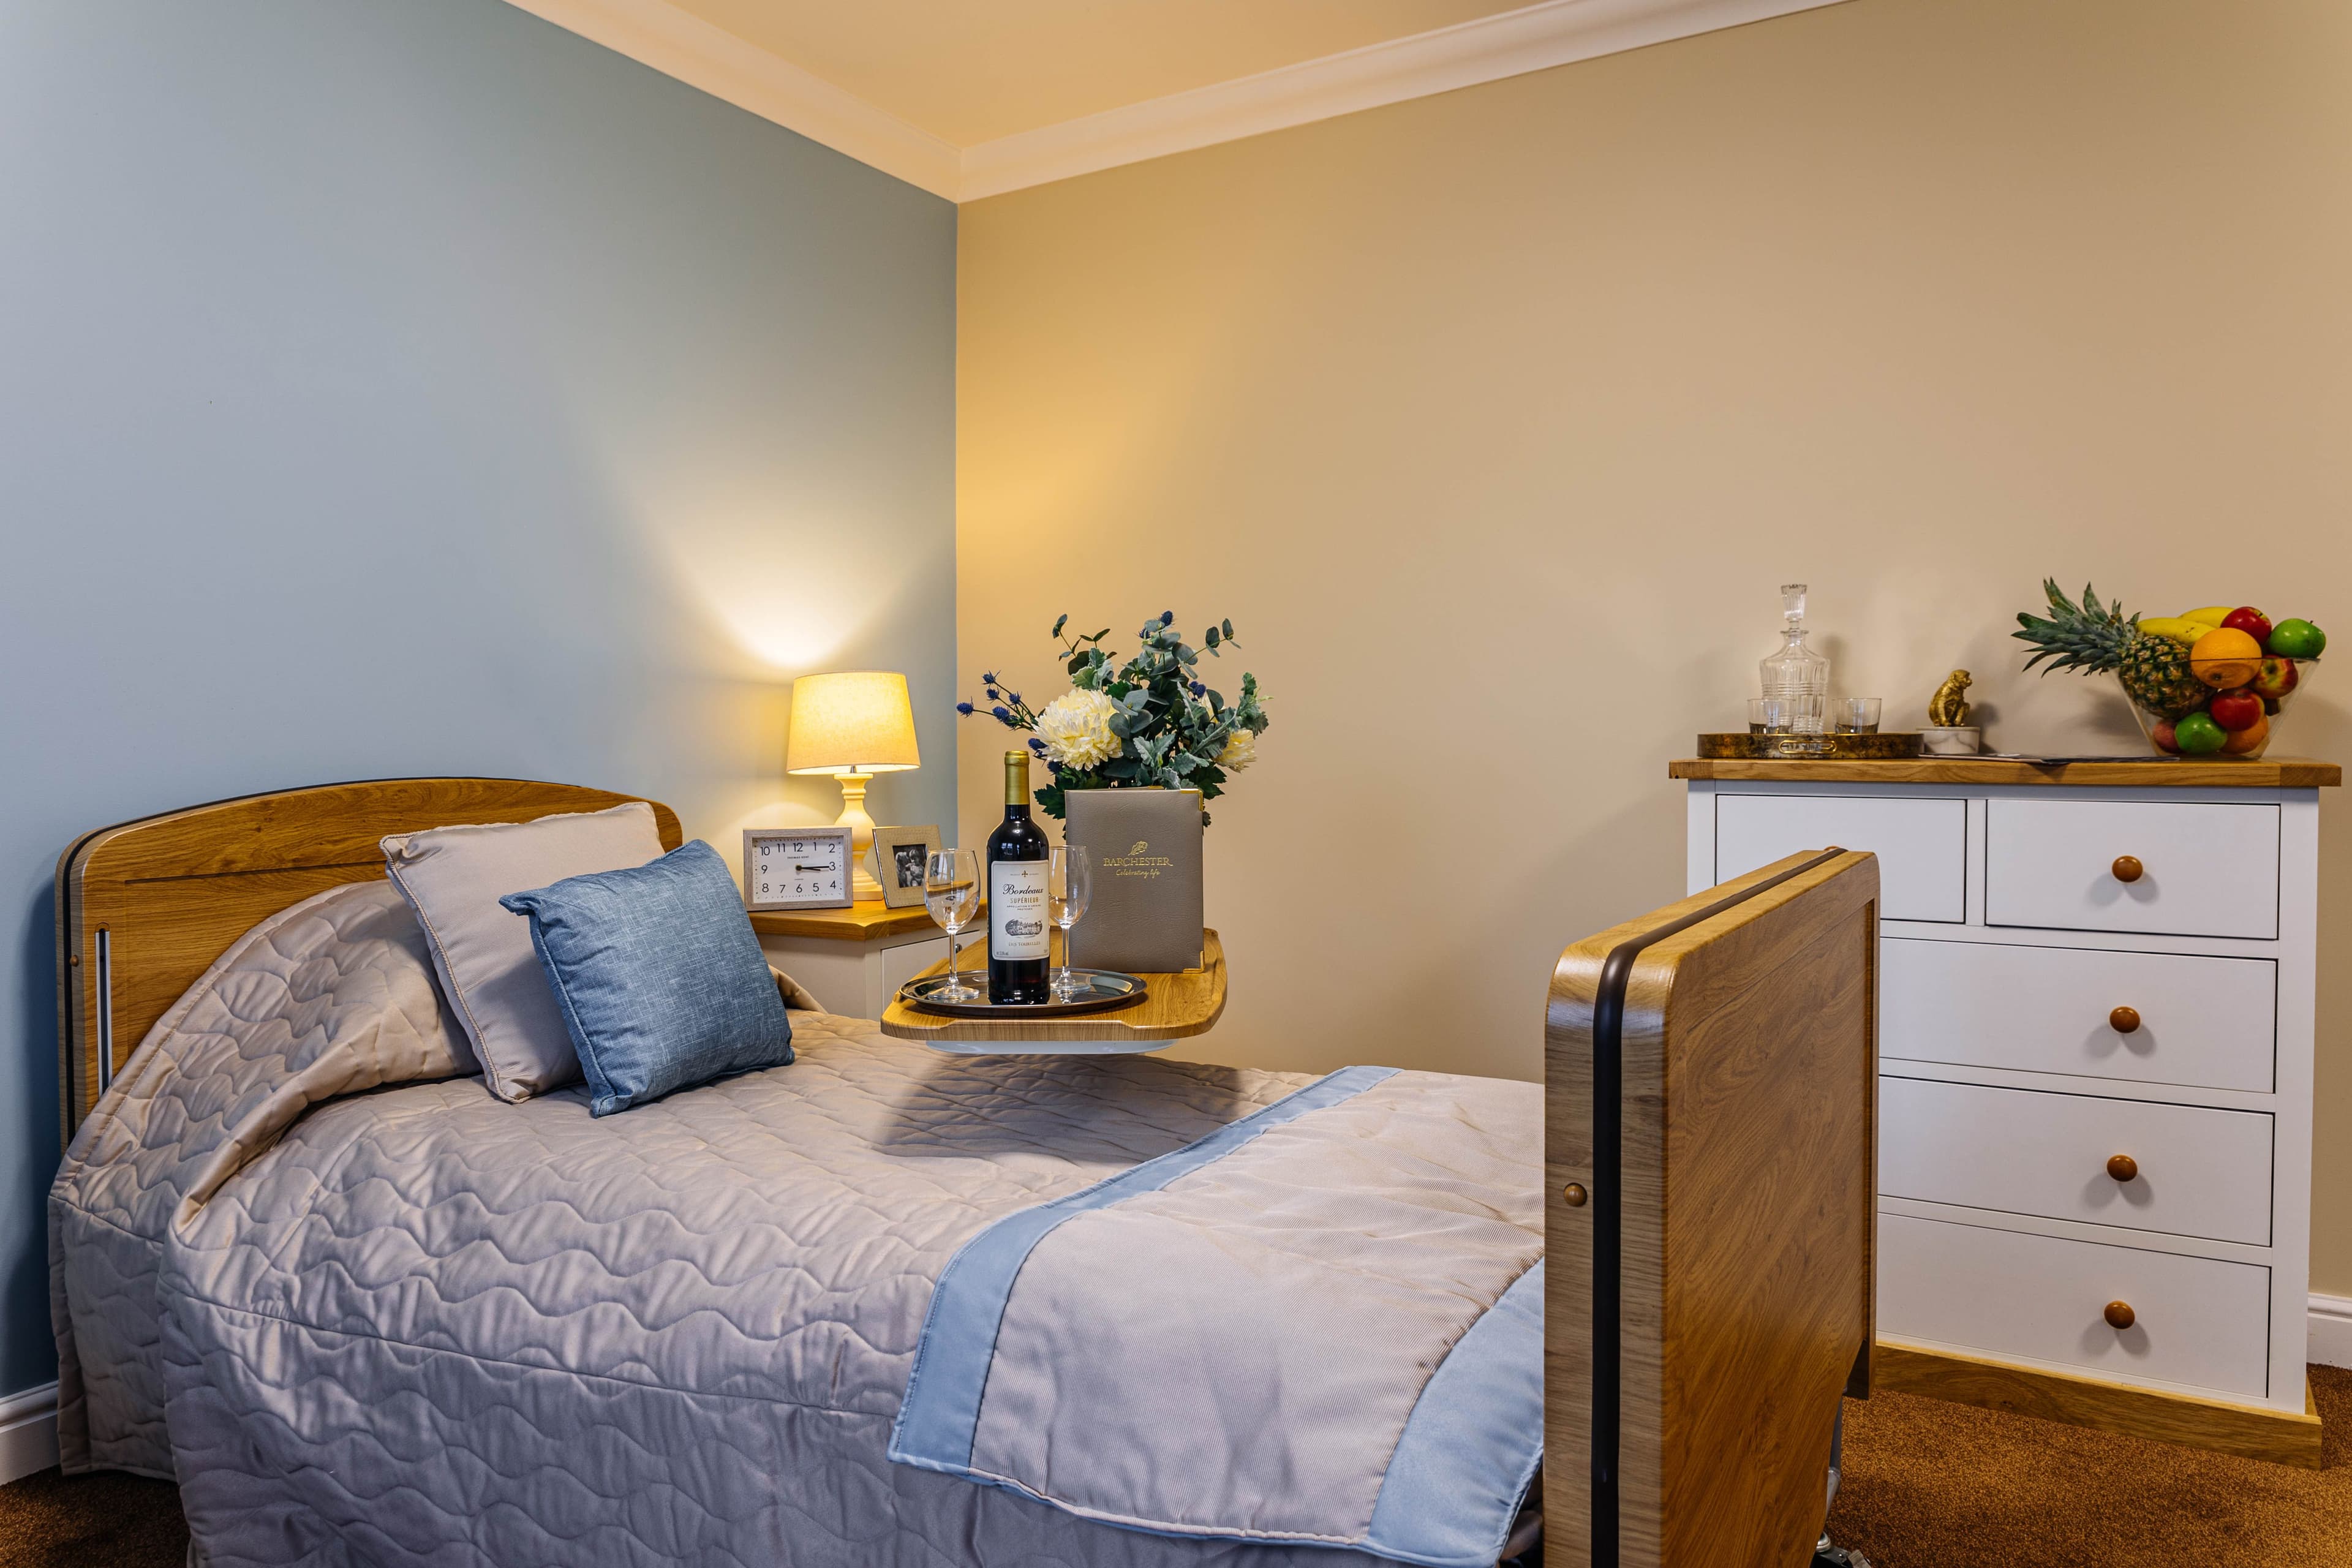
x=1016, y=910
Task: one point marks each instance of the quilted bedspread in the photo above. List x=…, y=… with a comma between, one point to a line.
x=368, y=1313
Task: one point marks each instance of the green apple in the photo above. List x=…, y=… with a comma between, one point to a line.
x=2297, y=638
x=2197, y=735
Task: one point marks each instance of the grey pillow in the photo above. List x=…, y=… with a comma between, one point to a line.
x=454, y=877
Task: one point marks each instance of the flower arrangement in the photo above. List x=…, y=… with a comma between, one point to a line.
x=1150, y=722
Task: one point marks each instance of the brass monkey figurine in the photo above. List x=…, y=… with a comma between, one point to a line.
x=1947, y=710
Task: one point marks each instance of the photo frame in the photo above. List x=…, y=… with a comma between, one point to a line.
x=899, y=856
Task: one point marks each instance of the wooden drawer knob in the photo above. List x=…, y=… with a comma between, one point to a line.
x=2128, y=869
x=2123, y=1167
x=2123, y=1020
x=1573, y=1195
x=2119, y=1315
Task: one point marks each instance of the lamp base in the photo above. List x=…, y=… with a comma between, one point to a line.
x=863, y=887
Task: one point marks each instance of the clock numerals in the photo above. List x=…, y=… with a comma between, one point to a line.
x=802, y=869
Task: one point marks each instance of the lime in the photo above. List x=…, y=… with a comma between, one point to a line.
x=2197, y=734
x=2297, y=639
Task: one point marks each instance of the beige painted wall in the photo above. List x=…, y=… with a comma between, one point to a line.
x=1493, y=420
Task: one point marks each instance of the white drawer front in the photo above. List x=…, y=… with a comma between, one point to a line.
x=1921, y=843
x=2208, y=870
x=2202, y=1172
x=2211, y=1023
x=2199, y=1321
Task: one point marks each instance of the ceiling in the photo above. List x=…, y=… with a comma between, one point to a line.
x=972, y=97
x=969, y=72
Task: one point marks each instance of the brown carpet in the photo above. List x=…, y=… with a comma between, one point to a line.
x=1928, y=1485
x=1931, y=1485
x=109, y=1520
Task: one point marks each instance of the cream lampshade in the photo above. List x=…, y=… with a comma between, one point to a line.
x=853, y=726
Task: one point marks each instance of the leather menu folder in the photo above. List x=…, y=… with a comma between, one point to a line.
x=1145, y=845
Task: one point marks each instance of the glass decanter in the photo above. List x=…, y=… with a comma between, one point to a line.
x=1794, y=673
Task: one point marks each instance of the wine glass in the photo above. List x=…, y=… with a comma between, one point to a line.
x=1069, y=883
x=951, y=892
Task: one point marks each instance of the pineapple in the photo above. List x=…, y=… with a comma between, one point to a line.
x=2089, y=636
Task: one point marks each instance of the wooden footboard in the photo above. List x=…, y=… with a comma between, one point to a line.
x=1711, y=1084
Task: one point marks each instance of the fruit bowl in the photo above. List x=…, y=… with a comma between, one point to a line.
x=2236, y=715
x=2209, y=683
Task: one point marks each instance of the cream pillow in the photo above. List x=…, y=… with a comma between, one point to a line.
x=454, y=877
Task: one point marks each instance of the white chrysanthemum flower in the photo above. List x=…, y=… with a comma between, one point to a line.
x=1240, y=751
x=1076, y=728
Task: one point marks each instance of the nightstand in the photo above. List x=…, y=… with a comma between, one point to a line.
x=855, y=960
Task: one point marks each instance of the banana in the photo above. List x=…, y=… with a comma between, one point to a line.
x=2180, y=629
x=2212, y=614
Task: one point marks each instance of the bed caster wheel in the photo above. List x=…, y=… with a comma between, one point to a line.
x=1828, y=1556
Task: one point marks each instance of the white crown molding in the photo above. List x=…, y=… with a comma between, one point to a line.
x=676, y=44
x=2331, y=1330
x=1513, y=43
x=29, y=1431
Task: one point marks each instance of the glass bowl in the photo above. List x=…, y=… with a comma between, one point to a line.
x=2275, y=681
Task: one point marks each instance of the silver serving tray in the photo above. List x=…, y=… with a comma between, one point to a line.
x=1100, y=990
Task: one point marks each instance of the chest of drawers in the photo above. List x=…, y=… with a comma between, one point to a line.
x=2095, y=1043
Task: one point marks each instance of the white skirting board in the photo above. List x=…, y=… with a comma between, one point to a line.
x=28, y=1431
x=2331, y=1331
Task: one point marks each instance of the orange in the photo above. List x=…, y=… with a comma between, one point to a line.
x=2250, y=738
x=2225, y=658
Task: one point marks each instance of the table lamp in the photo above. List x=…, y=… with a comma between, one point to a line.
x=853, y=726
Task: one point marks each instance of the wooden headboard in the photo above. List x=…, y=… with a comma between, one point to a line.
x=144, y=906
x=1710, y=1150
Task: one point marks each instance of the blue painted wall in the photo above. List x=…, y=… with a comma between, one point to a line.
x=418, y=388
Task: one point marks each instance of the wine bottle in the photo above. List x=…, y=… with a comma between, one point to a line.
x=1019, y=858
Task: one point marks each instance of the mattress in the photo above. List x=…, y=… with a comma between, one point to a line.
x=367, y=1313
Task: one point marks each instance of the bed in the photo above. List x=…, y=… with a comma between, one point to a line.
x=364, y=1313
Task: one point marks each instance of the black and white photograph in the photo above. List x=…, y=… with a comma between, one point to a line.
x=899, y=856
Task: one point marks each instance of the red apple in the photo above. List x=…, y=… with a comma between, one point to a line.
x=2250, y=620
x=2162, y=736
x=2276, y=679
x=2238, y=709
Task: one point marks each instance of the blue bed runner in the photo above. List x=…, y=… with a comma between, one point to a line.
x=1321, y=1325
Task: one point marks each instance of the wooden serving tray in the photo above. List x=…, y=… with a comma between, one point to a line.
x=1740, y=745
x=1174, y=1007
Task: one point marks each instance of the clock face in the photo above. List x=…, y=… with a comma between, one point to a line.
x=807, y=869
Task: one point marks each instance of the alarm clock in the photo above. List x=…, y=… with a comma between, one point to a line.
x=797, y=868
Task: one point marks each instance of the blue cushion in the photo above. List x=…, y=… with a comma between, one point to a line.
x=658, y=976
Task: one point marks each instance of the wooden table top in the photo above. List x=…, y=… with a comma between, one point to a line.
x=859, y=922
x=2269, y=772
x=1174, y=1007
